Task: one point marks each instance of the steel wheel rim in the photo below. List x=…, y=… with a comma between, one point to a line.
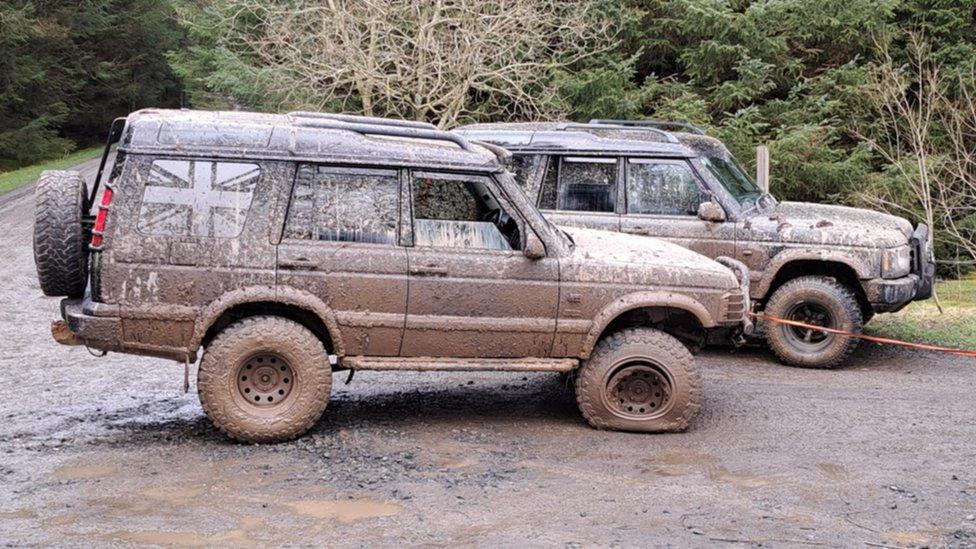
x=265, y=380
x=639, y=390
x=810, y=312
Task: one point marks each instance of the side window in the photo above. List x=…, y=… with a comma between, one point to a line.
x=197, y=198
x=547, y=197
x=662, y=188
x=525, y=168
x=460, y=212
x=587, y=184
x=344, y=205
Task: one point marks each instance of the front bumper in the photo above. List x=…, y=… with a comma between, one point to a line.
x=923, y=262
x=890, y=295
x=737, y=305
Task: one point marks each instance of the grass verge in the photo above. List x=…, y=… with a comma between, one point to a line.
x=18, y=178
x=921, y=321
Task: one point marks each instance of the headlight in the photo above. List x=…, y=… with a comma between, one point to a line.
x=896, y=262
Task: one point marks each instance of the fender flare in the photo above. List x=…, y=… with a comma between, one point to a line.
x=254, y=294
x=642, y=300
x=860, y=267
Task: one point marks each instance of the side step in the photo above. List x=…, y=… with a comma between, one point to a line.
x=430, y=364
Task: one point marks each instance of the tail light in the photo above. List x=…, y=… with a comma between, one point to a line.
x=98, y=230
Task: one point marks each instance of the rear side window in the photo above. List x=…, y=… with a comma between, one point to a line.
x=197, y=198
x=587, y=184
x=344, y=205
x=661, y=188
x=525, y=168
x=547, y=196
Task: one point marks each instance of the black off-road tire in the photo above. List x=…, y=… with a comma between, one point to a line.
x=234, y=349
x=639, y=350
x=60, y=238
x=823, y=293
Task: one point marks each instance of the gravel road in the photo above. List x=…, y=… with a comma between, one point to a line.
x=109, y=451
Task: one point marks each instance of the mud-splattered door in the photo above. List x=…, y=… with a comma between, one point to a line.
x=473, y=293
x=340, y=243
x=662, y=199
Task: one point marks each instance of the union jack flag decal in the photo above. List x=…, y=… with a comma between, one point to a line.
x=197, y=198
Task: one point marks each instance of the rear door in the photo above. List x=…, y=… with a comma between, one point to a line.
x=662, y=198
x=581, y=191
x=340, y=242
x=472, y=291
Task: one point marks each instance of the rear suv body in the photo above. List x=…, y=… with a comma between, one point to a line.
x=271, y=242
x=815, y=264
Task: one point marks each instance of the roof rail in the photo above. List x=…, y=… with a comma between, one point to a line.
x=609, y=125
x=355, y=119
x=411, y=131
x=502, y=154
x=651, y=123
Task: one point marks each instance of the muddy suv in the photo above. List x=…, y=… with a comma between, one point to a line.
x=813, y=264
x=284, y=247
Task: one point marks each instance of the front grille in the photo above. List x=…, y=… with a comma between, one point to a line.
x=735, y=304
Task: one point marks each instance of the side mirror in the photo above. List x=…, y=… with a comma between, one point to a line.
x=534, y=248
x=710, y=211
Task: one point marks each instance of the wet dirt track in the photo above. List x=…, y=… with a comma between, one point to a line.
x=110, y=452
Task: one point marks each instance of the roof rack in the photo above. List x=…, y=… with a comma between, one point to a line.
x=607, y=124
x=368, y=125
x=651, y=123
x=356, y=119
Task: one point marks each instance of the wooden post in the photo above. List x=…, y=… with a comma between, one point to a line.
x=762, y=167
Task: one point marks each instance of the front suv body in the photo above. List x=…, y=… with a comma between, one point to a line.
x=686, y=188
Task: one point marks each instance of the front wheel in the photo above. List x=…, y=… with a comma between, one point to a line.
x=817, y=301
x=264, y=379
x=639, y=379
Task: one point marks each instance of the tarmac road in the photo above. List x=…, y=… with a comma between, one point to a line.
x=109, y=451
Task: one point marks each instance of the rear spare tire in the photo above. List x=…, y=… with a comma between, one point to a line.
x=60, y=238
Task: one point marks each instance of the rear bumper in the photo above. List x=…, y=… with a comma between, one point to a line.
x=98, y=332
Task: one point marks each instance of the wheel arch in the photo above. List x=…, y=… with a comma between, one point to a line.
x=293, y=304
x=649, y=309
x=843, y=267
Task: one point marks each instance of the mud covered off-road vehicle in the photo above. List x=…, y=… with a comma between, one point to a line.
x=815, y=264
x=271, y=242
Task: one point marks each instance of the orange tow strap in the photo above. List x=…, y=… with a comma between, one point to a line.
x=875, y=339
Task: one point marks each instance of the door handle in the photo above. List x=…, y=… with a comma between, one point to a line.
x=638, y=230
x=429, y=270
x=300, y=264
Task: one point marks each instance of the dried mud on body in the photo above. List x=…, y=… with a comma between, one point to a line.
x=111, y=452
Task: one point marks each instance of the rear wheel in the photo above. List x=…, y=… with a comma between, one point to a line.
x=265, y=379
x=60, y=237
x=817, y=301
x=639, y=379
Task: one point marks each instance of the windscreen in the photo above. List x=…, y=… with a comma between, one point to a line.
x=733, y=178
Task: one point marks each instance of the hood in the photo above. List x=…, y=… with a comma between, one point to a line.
x=805, y=222
x=632, y=259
